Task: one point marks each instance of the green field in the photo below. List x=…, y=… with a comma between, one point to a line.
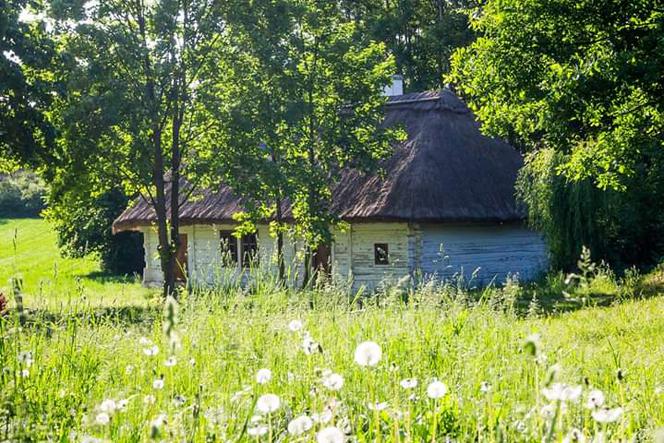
x=116, y=367
x=28, y=250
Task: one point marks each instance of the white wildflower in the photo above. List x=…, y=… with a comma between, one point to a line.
x=368, y=353
x=263, y=376
x=268, y=403
x=295, y=325
x=574, y=436
x=158, y=383
x=331, y=434
x=109, y=406
x=309, y=345
x=562, y=392
x=24, y=373
x=257, y=431
x=333, y=381
x=102, y=418
x=144, y=341
x=378, y=406
x=436, y=389
x=122, y=404
x=607, y=415
x=179, y=400
x=149, y=399
x=595, y=399
x=485, y=387
x=170, y=362
x=25, y=358
x=151, y=351
x=324, y=417
x=300, y=425
x=408, y=383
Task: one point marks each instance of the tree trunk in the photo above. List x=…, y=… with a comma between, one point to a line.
x=280, y=244
x=166, y=249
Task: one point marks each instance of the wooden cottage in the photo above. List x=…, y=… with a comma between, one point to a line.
x=444, y=208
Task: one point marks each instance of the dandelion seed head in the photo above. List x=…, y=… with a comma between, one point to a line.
x=102, y=418
x=607, y=415
x=330, y=434
x=562, y=392
x=151, y=351
x=323, y=417
x=408, y=383
x=109, y=406
x=25, y=358
x=485, y=387
x=595, y=399
x=368, y=353
x=436, y=389
x=149, y=399
x=257, y=431
x=299, y=425
x=295, y=325
x=378, y=406
x=333, y=381
x=268, y=403
x=170, y=362
x=574, y=436
x=158, y=383
x=263, y=376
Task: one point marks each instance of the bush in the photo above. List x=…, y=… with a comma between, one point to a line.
x=21, y=195
x=83, y=224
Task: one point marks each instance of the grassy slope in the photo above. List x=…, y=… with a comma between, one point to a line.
x=28, y=249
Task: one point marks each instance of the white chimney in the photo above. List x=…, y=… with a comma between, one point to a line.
x=396, y=88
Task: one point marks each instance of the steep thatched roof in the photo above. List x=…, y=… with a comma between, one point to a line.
x=446, y=171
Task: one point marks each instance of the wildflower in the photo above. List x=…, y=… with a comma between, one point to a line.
x=300, y=425
x=436, y=389
x=607, y=415
x=574, y=436
x=109, y=406
x=151, y=351
x=595, y=399
x=548, y=411
x=324, y=417
x=257, y=431
x=25, y=358
x=122, y=404
x=485, y=387
x=179, y=400
x=24, y=373
x=333, y=381
x=149, y=399
x=309, y=345
x=368, y=353
x=331, y=434
x=102, y=418
x=158, y=383
x=408, y=383
x=90, y=439
x=268, y=403
x=562, y=392
x=263, y=376
x=129, y=369
x=295, y=325
x=144, y=341
x=156, y=425
x=170, y=362
x=378, y=406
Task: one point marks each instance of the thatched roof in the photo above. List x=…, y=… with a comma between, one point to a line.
x=446, y=171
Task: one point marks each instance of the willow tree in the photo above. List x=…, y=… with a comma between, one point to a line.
x=133, y=111
x=308, y=105
x=578, y=84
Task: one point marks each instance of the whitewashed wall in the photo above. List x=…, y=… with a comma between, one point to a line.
x=443, y=251
x=489, y=251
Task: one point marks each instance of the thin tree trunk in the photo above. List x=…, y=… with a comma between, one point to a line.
x=280, y=244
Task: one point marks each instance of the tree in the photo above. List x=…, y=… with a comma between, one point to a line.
x=310, y=104
x=578, y=85
x=25, y=52
x=421, y=34
x=140, y=79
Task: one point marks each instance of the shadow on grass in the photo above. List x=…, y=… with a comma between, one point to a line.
x=105, y=277
x=50, y=319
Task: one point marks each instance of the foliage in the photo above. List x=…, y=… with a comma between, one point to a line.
x=308, y=104
x=25, y=88
x=84, y=227
x=578, y=84
x=21, y=195
x=420, y=34
x=140, y=80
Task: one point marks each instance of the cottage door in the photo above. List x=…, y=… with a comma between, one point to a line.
x=322, y=260
x=181, y=259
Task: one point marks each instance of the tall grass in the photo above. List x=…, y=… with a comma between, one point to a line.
x=61, y=371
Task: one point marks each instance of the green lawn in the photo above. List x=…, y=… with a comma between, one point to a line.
x=114, y=368
x=28, y=249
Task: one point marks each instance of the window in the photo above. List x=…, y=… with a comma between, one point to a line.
x=381, y=254
x=249, y=249
x=228, y=247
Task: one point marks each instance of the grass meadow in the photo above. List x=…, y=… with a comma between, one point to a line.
x=88, y=358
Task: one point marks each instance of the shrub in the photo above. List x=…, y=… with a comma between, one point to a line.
x=21, y=195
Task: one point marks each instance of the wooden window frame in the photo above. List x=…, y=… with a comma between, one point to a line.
x=251, y=241
x=381, y=258
x=233, y=246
